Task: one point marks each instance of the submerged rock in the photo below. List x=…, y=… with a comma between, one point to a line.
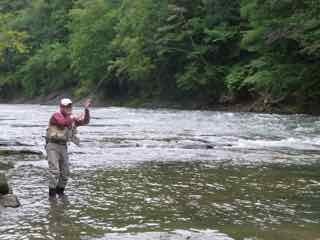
x=4, y=187
x=8, y=143
x=7, y=152
x=5, y=165
x=9, y=200
x=197, y=146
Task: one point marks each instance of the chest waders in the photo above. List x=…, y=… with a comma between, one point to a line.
x=57, y=156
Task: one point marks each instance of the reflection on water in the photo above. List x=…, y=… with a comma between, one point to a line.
x=269, y=201
x=169, y=175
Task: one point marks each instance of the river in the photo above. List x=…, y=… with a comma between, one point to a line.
x=168, y=174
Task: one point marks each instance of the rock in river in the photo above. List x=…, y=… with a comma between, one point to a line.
x=9, y=200
x=4, y=187
x=5, y=165
x=6, y=152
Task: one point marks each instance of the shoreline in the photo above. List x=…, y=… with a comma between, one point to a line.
x=253, y=106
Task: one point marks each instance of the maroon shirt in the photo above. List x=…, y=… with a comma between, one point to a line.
x=60, y=120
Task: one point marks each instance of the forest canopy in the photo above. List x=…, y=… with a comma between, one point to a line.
x=200, y=50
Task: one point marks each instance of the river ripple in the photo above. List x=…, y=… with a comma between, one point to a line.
x=168, y=174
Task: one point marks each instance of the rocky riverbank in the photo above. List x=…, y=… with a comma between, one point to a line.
x=7, y=198
x=226, y=103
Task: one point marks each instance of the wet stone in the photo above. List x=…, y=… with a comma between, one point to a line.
x=9, y=200
x=6, y=143
x=197, y=146
x=5, y=165
x=6, y=152
x=4, y=187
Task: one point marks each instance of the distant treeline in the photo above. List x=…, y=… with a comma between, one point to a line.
x=204, y=50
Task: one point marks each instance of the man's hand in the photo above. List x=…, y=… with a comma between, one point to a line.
x=87, y=103
x=77, y=117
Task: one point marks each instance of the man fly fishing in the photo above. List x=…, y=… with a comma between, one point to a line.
x=61, y=130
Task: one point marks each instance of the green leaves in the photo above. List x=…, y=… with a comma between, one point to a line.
x=281, y=46
x=167, y=48
x=10, y=39
x=47, y=70
x=92, y=31
x=209, y=80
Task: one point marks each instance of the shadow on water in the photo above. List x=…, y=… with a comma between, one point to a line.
x=62, y=222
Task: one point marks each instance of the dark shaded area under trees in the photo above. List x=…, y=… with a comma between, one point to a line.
x=204, y=52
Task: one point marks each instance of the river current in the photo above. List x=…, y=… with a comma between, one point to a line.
x=167, y=174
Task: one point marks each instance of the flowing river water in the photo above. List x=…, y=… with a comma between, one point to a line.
x=168, y=174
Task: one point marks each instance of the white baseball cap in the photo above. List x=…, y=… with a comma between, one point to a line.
x=65, y=102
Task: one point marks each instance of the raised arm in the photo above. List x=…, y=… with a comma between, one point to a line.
x=83, y=120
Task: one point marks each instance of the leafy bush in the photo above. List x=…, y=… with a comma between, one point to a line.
x=47, y=70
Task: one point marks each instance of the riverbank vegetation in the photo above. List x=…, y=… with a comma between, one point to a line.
x=206, y=51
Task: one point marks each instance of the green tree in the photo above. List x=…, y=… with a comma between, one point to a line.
x=11, y=42
x=281, y=45
x=47, y=70
x=92, y=31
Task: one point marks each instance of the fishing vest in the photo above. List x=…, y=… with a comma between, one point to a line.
x=62, y=136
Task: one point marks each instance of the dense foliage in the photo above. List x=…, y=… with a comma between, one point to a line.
x=200, y=50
